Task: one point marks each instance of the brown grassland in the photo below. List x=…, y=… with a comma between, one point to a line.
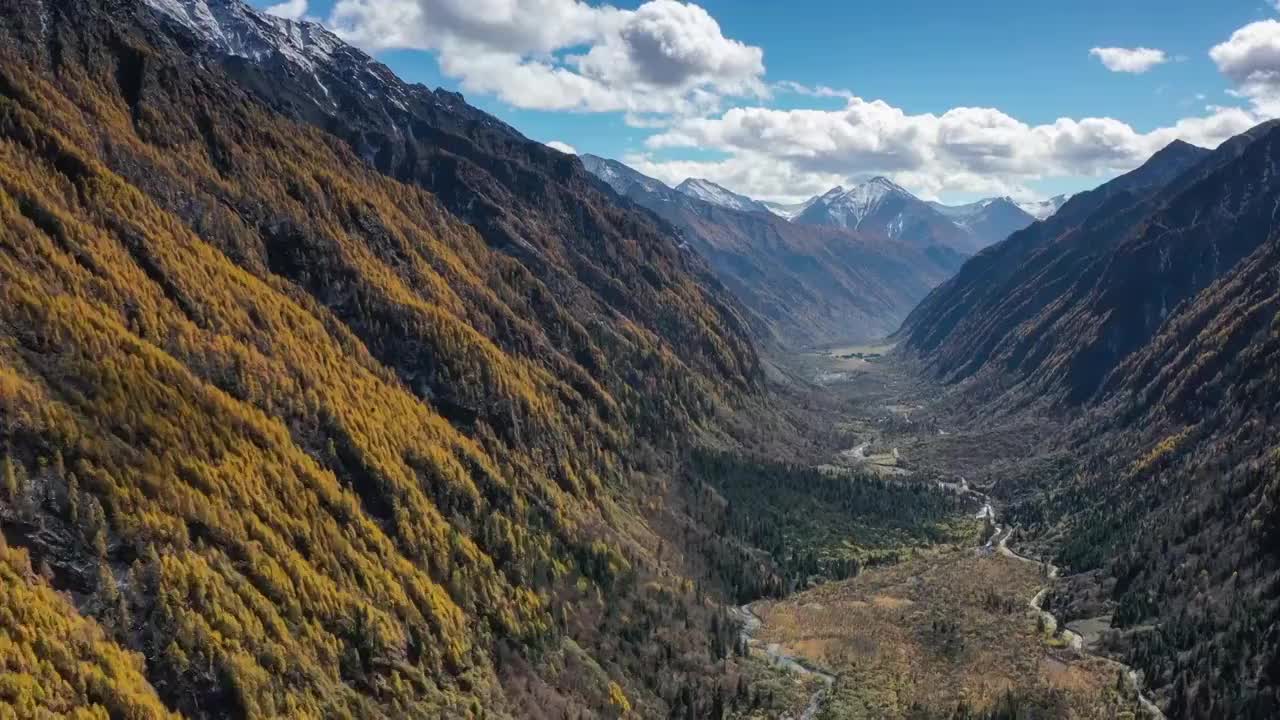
x=941, y=631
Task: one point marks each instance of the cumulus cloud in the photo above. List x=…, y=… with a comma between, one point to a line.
x=291, y=9
x=667, y=66
x=665, y=57
x=1250, y=59
x=789, y=154
x=563, y=147
x=1129, y=60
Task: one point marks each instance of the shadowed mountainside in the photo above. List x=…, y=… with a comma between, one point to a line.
x=1056, y=306
x=1146, y=313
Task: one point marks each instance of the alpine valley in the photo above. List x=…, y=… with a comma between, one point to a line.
x=324, y=394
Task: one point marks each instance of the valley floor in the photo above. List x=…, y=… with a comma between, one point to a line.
x=950, y=631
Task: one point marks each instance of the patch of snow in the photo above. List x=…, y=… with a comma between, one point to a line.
x=1044, y=209
x=236, y=29
x=964, y=213
x=789, y=212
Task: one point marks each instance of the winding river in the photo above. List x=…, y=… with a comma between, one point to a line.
x=998, y=542
x=751, y=624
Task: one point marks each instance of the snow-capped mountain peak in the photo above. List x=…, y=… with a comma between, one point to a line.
x=237, y=29
x=883, y=207
x=710, y=192
x=886, y=184
x=849, y=208
x=871, y=192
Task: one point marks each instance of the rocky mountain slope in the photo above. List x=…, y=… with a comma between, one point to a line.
x=323, y=395
x=526, y=200
x=1178, y=504
x=803, y=285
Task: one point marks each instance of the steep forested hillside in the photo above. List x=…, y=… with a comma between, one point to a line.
x=525, y=200
x=803, y=284
x=1182, y=506
x=304, y=440
x=1037, y=307
x=1147, y=312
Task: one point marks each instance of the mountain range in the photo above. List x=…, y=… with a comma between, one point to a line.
x=803, y=285
x=845, y=266
x=881, y=207
x=707, y=191
x=326, y=394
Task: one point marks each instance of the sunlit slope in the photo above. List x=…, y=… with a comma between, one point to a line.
x=281, y=423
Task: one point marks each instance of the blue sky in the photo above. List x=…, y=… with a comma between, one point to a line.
x=1031, y=61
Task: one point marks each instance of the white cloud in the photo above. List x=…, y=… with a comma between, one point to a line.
x=669, y=44
x=1129, y=60
x=291, y=9
x=664, y=57
x=790, y=154
x=563, y=147
x=753, y=173
x=667, y=66
x=821, y=91
x=1250, y=58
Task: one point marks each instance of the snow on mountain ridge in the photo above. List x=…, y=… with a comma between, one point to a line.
x=237, y=29
x=1043, y=209
x=620, y=177
x=789, y=212
x=710, y=192
x=850, y=208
